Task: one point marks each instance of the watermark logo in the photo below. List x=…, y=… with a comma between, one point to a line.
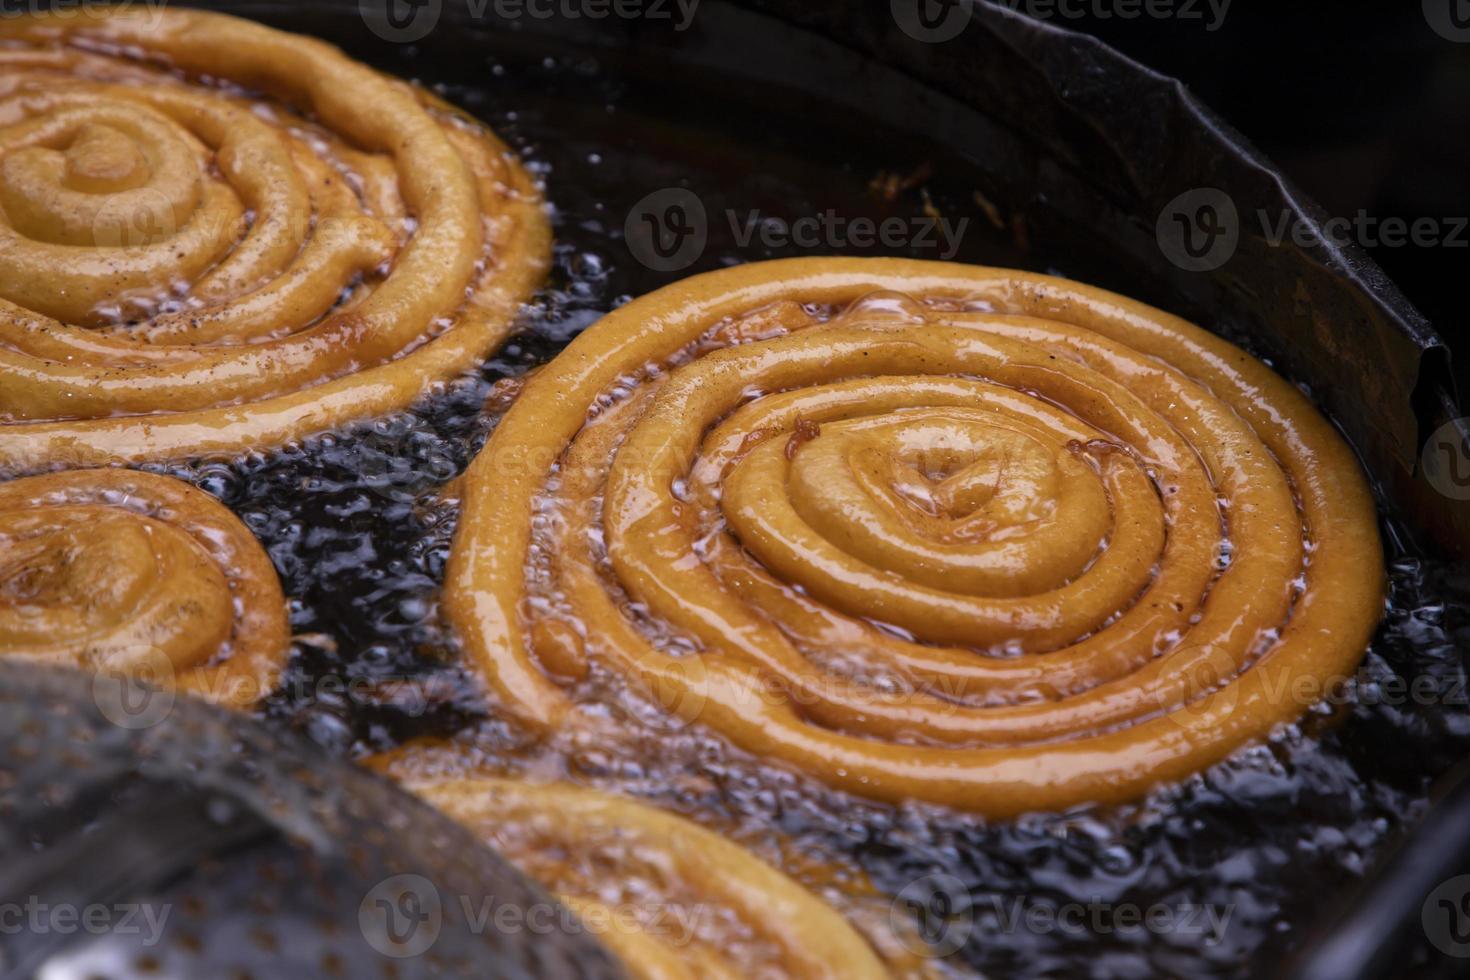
x=401, y=21
x=37, y=918
x=1210, y=13
x=410, y=21
x=1203, y=923
x=402, y=916
x=829, y=229
x=135, y=218
x=1445, y=916
x=139, y=696
x=1199, y=230
x=1206, y=694
x=932, y=21
x=678, y=12
x=1446, y=459
x=1450, y=19
x=940, y=903
x=1366, y=230
x=937, y=21
x=64, y=9
x=679, y=687
x=667, y=231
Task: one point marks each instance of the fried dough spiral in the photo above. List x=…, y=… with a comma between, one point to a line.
x=217, y=236
x=115, y=570
x=924, y=531
x=669, y=898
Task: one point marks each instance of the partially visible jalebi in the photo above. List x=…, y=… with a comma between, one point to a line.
x=669, y=898
x=135, y=574
x=217, y=236
x=923, y=531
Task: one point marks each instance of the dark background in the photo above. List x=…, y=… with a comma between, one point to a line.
x=1364, y=106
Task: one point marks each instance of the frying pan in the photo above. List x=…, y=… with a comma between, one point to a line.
x=186, y=841
x=1086, y=162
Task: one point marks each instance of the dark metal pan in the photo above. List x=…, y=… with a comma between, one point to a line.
x=1065, y=155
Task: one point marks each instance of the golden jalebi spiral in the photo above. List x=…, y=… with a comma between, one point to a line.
x=216, y=236
x=924, y=531
x=127, y=572
x=669, y=898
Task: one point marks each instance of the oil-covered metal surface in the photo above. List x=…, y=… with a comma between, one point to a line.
x=143, y=834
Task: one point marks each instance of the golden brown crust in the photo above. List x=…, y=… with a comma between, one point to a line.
x=128, y=572
x=185, y=269
x=669, y=898
x=1107, y=547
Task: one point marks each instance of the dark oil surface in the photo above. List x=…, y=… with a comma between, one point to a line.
x=358, y=529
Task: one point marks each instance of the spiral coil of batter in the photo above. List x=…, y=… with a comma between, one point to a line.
x=215, y=236
x=924, y=531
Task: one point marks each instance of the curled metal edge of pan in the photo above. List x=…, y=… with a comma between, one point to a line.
x=1411, y=908
x=1088, y=144
x=116, y=793
x=1135, y=141
x=1089, y=151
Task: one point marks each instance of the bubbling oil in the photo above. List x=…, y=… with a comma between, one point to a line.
x=1214, y=876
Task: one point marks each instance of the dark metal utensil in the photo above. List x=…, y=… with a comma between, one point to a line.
x=143, y=834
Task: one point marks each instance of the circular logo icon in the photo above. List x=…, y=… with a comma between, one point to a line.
x=1446, y=917
x=402, y=916
x=1199, y=230
x=679, y=688
x=1208, y=693
x=940, y=904
x=667, y=230
x=401, y=21
x=133, y=219
x=140, y=694
x=932, y=21
x=1446, y=459
x=1450, y=19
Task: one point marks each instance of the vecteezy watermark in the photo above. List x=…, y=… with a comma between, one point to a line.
x=674, y=924
x=37, y=917
x=404, y=916
x=940, y=904
x=833, y=230
x=410, y=21
x=1210, y=14
x=1368, y=231
x=1204, y=923
x=1201, y=229
x=1446, y=459
x=138, y=693
x=668, y=230
x=937, y=21
x=932, y=21
x=1450, y=19
x=1445, y=916
x=1209, y=691
x=65, y=9
x=401, y=21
